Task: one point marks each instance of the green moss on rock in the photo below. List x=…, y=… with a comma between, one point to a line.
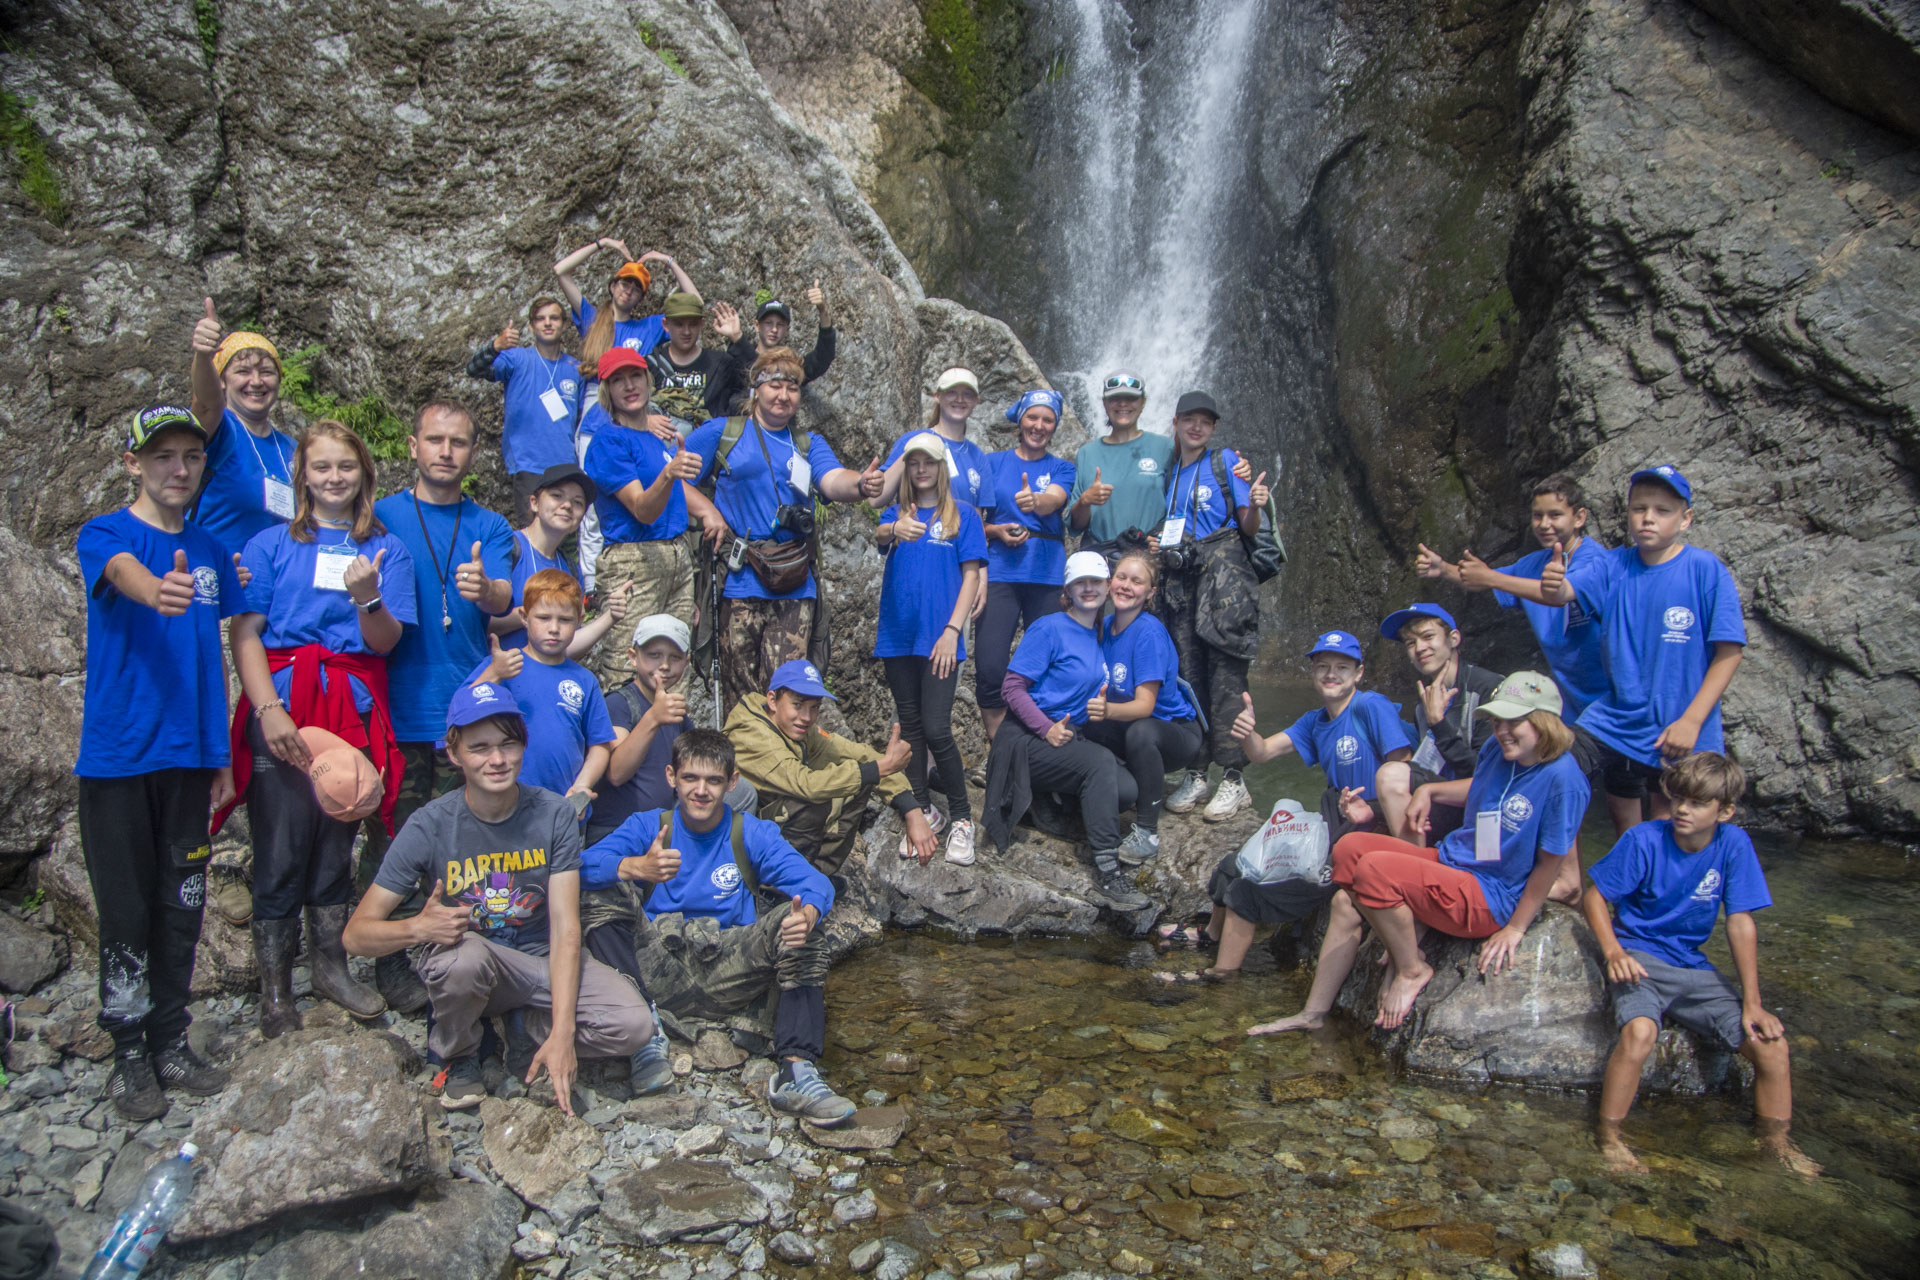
x=26, y=150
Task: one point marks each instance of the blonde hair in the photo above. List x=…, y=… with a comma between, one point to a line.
x=1556, y=739
x=605, y=397
x=945, y=509
x=365, y=523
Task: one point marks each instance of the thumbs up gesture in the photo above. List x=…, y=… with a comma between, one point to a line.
x=798, y=924
x=659, y=864
x=1024, y=498
x=666, y=707
x=241, y=572
x=1243, y=726
x=1097, y=493
x=1553, y=576
x=1431, y=564
x=439, y=922
x=471, y=577
x=895, y=757
x=173, y=595
x=872, y=480
x=1258, y=493
x=504, y=664
x=1474, y=573
x=507, y=337
x=907, y=525
x=206, y=331
x=816, y=297
x=1060, y=733
x=685, y=463
x=363, y=577
x=1097, y=705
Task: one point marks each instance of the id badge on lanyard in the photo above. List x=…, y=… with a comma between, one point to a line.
x=330, y=568
x=278, y=497
x=556, y=407
x=1486, y=836
x=1172, y=531
x=800, y=475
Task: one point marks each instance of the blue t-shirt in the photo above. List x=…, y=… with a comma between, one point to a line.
x=647, y=788
x=1666, y=900
x=530, y=563
x=1143, y=652
x=708, y=883
x=748, y=494
x=1042, y=557
x=533, y=437
x=969, y=470
x=1569, y=635
x=1659, y=623
x=156, y=697
x=565, y=715
x=233, y=504
x=641, y=334
x=427, y=665
x=1351, y=747
x=1540, y=808
x=285, y=590
x=922, y=582
x=616, y=458
x=1062, y=661
x=1195, y=494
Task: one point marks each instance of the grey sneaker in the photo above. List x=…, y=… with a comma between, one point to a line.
x=133, y=1088
x=1118, y=887
x=650, y=1070
x=1188, y=794
x=806, y=1095
x=1230, y=799
x=463, y=1087
x=1141, y=845
x=179, y=1067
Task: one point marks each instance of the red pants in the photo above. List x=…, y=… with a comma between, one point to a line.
x=1383, y=872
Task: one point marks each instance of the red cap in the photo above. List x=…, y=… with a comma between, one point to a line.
x=619, y=358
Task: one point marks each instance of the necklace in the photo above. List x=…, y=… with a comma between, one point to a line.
x=453, y=549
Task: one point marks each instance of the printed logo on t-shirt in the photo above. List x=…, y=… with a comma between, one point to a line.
x=936, y=532
x=1577, y=615
x=1149, y=466
x=1347, y=749
x=631, y=344
x=1515, y=812
x=973, y=478
x=206, y=585
x=1204, y=494
x=1117, y=675
x=1044, y=480
x=572, y=696
x=568, y=386
x=1679, y=622
x=725, y=878
x=1708, y=890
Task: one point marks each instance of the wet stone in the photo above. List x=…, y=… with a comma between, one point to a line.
x=1218, y=1186
x=1311, y=1085
x=1411, y=1218
x=1562, y=1261
x=1181, y=1217
x=1650, y=1224
x=869, y=1129
x=1472, y=1239
x=794, y=1248
x=1153, y=1130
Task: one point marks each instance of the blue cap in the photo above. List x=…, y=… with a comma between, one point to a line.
x=800, y=676
x=473, y=703
x=1666, y=475
x=1344, y=643
x=1390, y=629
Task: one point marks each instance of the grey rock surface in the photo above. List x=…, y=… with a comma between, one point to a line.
x=537, y=1150
x=454, y=1231
x=677, y=1198
x=29, y=955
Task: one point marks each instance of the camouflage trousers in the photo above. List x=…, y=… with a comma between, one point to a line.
x=662, y=577
x=703, y=975
x=759, y=636
x=824, y=831
x=1218, y=680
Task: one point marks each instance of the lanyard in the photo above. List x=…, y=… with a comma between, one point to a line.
x=453, y=549
x=1513, y=777
x=773, y=477
x=1193, y=487
x=286, y=473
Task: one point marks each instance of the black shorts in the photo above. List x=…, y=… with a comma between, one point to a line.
x=1626, y=778
x=1281, y=902
x=1442, y=819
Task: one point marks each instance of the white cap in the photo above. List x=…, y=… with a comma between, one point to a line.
x=925, y=442
x=188, y=1151
x=957, y=377
x=1085, y=564
x=655, y=625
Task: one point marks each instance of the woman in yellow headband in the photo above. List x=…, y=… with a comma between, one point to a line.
x=236, y=383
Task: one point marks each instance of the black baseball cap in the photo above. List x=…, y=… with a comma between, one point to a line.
x=560, y=473
x=1197, y=402
x=150, y=422
x=773, y=306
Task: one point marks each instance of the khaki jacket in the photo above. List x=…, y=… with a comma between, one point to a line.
x=820, y=770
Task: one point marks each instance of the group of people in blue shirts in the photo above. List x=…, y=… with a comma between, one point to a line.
x=400, y=627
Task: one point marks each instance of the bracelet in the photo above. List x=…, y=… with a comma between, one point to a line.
x=368, y=606
x=262, y=708
x=950, y=627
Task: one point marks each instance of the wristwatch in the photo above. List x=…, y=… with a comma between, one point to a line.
x=370, y=606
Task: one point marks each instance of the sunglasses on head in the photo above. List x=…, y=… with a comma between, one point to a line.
x=1123, y=382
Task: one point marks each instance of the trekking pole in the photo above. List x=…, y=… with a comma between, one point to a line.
x=713, y=650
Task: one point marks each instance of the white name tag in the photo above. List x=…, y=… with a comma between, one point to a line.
x=800, y=472
x=330, y=568
x=279, y=498
x=1486, y=836
x=1428, y=756
x=1173, y=531
x=556, y=407
x=953, y=465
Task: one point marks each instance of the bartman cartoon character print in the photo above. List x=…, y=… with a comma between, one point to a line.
x=505, y=895
x=502, y=906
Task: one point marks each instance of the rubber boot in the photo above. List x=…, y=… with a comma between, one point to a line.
x=327, y=964
x=274, y=944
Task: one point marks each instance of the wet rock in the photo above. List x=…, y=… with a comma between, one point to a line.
x=313, y=1118
x=1153, y=1129
x=1472, y=1239
x=1147, y=1041
x=885, y=1259
x=1129, y=1263
x=869, y=1129
x=29, y=955
x=701, y=1140
x=677, y=1198
x=1182, y=1217
x=1562, y=1261
x=1218, y=1186
x=1410, y=1218
x=794, y=1248
x=716, y=1051
x=542, y=1153
x=461, y=1231
x=1059, y=1102
x=1651, y=1224
x=1411, y=1150
x=995, y=1271
x=1302, y=1088
x=860, y=1207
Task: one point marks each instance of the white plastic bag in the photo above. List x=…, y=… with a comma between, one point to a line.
x=1290, y=845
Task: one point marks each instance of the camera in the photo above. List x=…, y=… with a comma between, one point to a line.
x=797, y=520
x=1178, y=559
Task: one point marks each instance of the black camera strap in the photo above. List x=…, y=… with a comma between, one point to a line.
x=773, y=476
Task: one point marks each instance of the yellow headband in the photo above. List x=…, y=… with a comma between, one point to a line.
x=238, y=342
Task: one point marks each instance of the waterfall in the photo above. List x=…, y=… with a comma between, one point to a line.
x=1145, y=174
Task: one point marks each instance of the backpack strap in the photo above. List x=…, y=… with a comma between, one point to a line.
x=729, y=437
x=1220, y=479
x=630, y=694
x=740, y=858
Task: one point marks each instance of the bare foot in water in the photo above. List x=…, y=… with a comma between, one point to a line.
x=1618, y=1155
x=1788, y=1153
x=1305, y=1020
x=1398, y=995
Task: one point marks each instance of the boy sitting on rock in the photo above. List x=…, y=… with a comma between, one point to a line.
x=1666, y=882
x=704, y=948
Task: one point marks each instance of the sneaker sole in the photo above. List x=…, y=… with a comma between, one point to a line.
x=961, y=862
x=1222, y=817
x=450, y=1103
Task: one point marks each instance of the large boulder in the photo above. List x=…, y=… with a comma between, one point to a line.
x=316, y=1117
x=678, y=1198
x=454, y=1231
x=42, y=647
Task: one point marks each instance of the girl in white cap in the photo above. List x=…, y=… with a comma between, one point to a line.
x=956, y=393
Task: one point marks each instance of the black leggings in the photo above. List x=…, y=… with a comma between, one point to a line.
x=1010, y=606
x=301, y=857
x=1150, y=749
x=924, y=703
x=1088, y=770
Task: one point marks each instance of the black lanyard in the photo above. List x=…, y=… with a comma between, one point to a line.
x=453, y=549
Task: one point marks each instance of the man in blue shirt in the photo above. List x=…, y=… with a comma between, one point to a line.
x=462, y=569
x=154, y=759
x=705, y=951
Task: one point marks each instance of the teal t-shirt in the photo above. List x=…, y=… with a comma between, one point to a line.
x=1137, y=470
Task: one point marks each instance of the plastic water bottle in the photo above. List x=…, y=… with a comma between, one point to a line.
x=163, y=1196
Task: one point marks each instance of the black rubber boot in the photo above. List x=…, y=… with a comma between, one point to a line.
x=275, y=943
x=327, y=963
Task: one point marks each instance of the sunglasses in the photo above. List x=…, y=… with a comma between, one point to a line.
x=1124, y=382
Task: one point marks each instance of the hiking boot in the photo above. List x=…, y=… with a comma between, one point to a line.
x=133, y=1088
x=398, y=984
x=327, y=964
x=798, y=1090
x=1230, y=799
x=1118, y=888
x=463, y=1087
x=960, y=844
x=650, y=1070
x=274, y=945
x=179, y=1067
x=232, y=897
x=1141, y=845
x=1191, y=791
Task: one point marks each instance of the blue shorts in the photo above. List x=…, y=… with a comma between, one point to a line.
x=1701, y=1000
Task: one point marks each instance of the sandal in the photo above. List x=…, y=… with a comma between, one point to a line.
x=1197, y=977
x=1169, y=936
x=977, y=777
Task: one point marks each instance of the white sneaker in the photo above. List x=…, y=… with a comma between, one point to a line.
x=1230, y=799
x=1189, y=793
x=935, y=821
x=960, y=844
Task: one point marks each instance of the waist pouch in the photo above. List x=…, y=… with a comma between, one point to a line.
x=782, y=567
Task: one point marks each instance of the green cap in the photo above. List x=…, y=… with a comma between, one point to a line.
x=1520, y=694
x=683, y=306
x=150, y=422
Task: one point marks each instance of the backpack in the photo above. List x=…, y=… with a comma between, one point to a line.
x=737, y=836
x=1265, y=551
